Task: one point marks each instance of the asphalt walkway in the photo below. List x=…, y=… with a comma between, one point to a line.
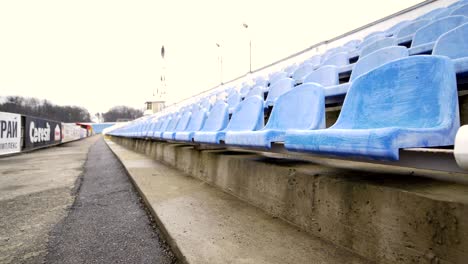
x=107, y=223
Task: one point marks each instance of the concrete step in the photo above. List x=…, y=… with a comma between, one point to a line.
x=206, y=225
x=387, y=217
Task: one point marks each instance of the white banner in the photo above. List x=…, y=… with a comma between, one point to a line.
x=10, y=133
x=70, y=132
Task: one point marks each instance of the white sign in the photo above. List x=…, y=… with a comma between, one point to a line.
x=70, y=132
x=10, y=133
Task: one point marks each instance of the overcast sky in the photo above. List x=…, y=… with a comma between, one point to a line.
x=99, y=54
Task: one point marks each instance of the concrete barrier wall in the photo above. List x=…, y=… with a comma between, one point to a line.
x=384, y=218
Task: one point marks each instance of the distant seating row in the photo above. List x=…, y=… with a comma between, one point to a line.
x=410, y=102
x=394, y=98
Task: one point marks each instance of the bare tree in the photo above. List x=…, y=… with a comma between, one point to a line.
x=121, y=112
x=44, y=109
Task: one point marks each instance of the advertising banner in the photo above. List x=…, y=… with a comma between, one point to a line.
x=10, y=133
x=83, y=133
x=40, y=132
x=70, y=132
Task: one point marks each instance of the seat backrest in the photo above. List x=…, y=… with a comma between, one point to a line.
x=372, y=37
x=261, y=82
x=372, y=34
x=157, y=125
x=376, y=59
x=300, y=108
x=290, y=69
x=205, y=104
x=443, y=14
x=302, y=72
x=183, y=121
x=233, y=99
x=412, y=27
x=149, y=127
x=248, y=115
x=173, y=123
x=392, y=31
x=244, y=90
x=413, y=92
x=353, y=44
x=279, y=88
x=432, y=31
x=197, y=120
x=165, y=124
x=277, y=76
x=432, y=13
x=218, y=117
x=314, y=60
x=460, y=11
x=378, y=44
x=453, y=44
x=458, y=3
x=256, y=91
x=325, y=76
x=339, y=59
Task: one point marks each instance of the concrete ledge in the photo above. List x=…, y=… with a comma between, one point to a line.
x=383, y=217
x=206, y=225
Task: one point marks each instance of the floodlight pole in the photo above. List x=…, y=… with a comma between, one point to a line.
x=250, y=48
x=220, y=59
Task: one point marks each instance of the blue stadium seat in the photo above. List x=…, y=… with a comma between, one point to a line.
x=445, y=13
x=431, y=14
x=260, y=81
x=301, y=108
x=156, y=127
x=248, y=116
x=277, y=76
x=372, y=37
x=407, y=103
x=256, y=91
x=244, y=90
x=353, y=44
x=460, y=11
x=181, y=125
x=229, y=90
x=233, y=100
x=217, y=120
x=328, y=76
x=205, y=104
x=378, y=44
x=425, y=37
x=277, y=89
x=138, y=129
x=149, y=124
x=405, y=34
x=377, y=59
x=290, y=69
x=196, y=123
x=171, y=124
x=454, y=44
x=314, y=60
x=392, y=31
x=302, y=72
x=339, y=59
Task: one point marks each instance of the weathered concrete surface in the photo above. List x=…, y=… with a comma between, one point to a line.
x=206, y=225
x=35, y=191
x=107, y=223
x=384, y=217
